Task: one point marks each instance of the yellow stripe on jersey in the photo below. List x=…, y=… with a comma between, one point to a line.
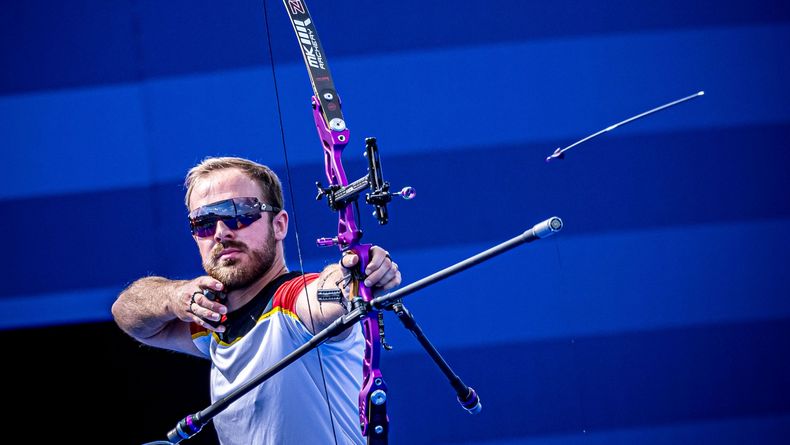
x=275, y=310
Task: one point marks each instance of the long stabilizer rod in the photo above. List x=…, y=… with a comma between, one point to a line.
x=541, y=230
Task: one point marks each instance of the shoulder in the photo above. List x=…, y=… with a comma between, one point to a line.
x=287, y=294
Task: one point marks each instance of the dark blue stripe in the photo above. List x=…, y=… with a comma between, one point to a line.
x=479, y=195
x=627, y=380
x=570, y=385
x=49, y=45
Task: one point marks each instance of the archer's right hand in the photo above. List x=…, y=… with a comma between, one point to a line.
x=191, y=305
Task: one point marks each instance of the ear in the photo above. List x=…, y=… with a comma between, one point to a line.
x=280, y=225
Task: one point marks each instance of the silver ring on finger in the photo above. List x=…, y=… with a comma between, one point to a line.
x=191, y=302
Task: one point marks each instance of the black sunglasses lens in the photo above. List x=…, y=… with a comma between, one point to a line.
x=246, y=220
x=204, y=227
x=235, y=213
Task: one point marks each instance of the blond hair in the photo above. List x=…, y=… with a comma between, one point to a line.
x=263, y=175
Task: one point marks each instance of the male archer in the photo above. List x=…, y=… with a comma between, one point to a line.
x=238, y=223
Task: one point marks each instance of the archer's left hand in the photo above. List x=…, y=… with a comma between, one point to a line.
x=381, y=272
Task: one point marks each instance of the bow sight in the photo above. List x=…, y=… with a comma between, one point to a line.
x=338, y=197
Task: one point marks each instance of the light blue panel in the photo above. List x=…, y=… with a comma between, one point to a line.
x=562, y=90
x=585, y=285
x=760, y=430
x=229, y=113
x=553, y=90
x=487, y=95
x=72, y=141
x=548, y=90
x=558, y=287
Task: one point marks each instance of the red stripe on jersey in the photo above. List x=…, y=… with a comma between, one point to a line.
x=286, y=295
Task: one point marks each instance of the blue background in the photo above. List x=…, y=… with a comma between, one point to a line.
x=660, y=314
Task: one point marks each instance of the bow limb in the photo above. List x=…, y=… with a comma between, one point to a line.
x=342, y=197
x=295, y=218
x=334, y=136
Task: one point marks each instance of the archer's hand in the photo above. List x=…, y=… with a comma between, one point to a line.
x=381, y=272
x=190, y=305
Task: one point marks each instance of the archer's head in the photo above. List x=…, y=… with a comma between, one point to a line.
x=236, y=217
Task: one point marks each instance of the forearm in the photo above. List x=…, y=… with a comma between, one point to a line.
x=318, y=314
x=380, y=273
x=144, y=309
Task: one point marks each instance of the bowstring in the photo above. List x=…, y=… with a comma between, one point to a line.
x=296, y=225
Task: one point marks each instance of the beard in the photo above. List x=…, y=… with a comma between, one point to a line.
x=234, y=273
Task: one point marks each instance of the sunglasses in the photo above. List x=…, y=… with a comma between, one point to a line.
x=236, y=213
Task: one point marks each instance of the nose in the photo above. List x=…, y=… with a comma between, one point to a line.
x=223, y=232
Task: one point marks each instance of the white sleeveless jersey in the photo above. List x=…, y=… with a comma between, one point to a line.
x=290, y=408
